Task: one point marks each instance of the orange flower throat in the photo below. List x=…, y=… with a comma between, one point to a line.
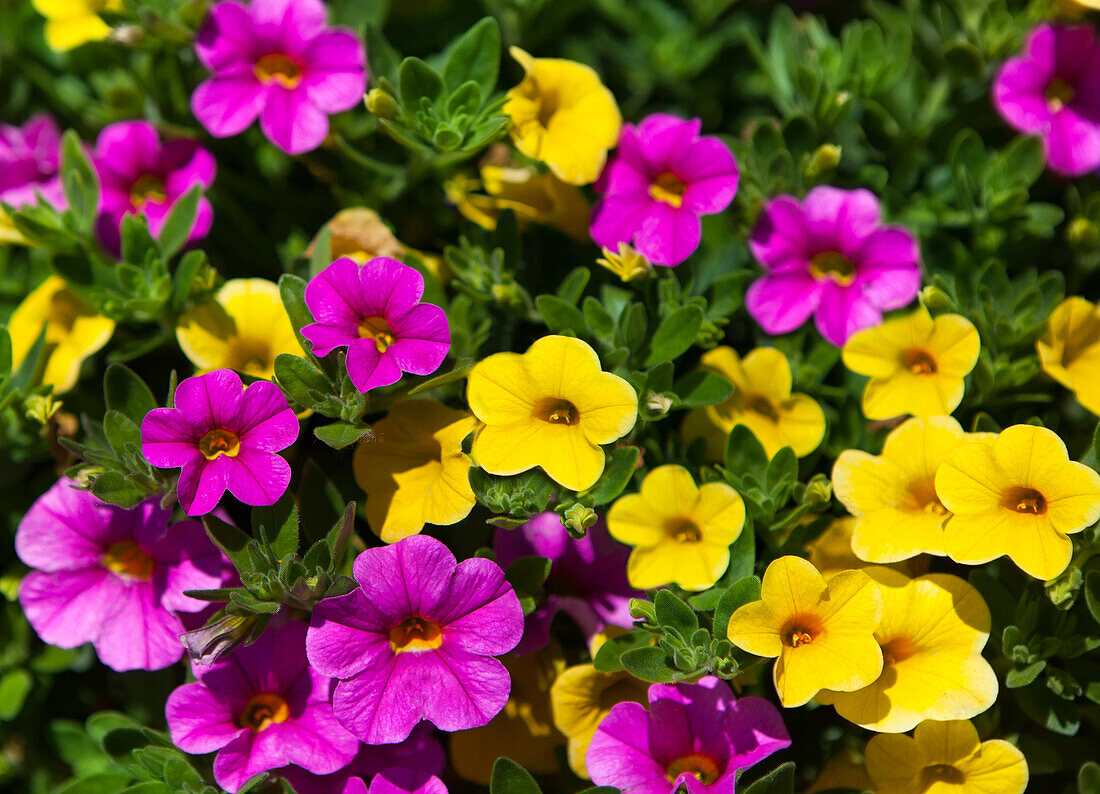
x=219, y=442
x=279, y=68
x=129, y=561
x=415, y=634
x=263, y=710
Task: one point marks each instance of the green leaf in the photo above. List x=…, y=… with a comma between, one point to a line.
x=80, y=182
x=292, y=290
x=702, y=388
x=674, y=335
x=177, y=226
x=461, y=369
x=778, y=781
x=280, y=525
x=121, y=432
x=527, y=574
x=15, y=685
x=246, y=601
x=600, y=323
x=126, y=392
x=232, y=541
x=616, y=476
x=475, y=56
x=508, y=777
x=736, y=596
x=416, y=79
x=648, y=664
x=674, y=613
x=1092, y=593
x=745, y=454
x=113, y=487
x=298, y=376
x=340, y=533
x=572, y=286
x=1021, y=677
x=381, y=56
x=1088, y=778
x=559, y=315
x=5, y=352
x=608, y=657
x=340, y=434
x=104, y=783
x=137, y=243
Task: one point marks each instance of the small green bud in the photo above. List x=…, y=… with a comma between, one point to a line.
x=41, y=407
x=1063, y=589
x=659, y=404
x=578, y=518
x=382, y=104
x=643, y=610
x=935, y=300
x=1083, y=234
x=819, y=491
x=825, y=159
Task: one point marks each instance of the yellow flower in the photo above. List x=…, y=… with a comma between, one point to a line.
x=831, y=552
x=1020, y=496
x=414, y=470
x=932, y=632
x=893, y=495
x=681, y=533
x=534, y=197
x=74, y=331
x=822, y=632
x=1070, y=350
x=761, y=401
x=916, y=364
x=945, y=758
x=244, y=328
x=627, y=264
x=70, y=23
x=360, y=234
x=523, y=731
x=563, y=115
x=843, y=771
x=551, y=407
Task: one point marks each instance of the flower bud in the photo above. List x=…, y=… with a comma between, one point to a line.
x=825, y=159
x=382, y=104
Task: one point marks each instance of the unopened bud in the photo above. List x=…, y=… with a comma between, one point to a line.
x=382, y=104
x=935, y=300
x=577, y=519
x=819, y=491
x=1063, y=589
x=41, y=407
x=643, y=610
x=659, y=403
x=1083, y=234
x=825, y=159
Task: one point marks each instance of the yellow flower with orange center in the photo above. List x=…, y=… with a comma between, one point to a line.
x=916, y=364
x=932, y=632
x=1019, y=496
x=562, y=115
x=681, y=533
x=551, y=407
x=414, y=470
x=761, y=401
x=533, y=196
x=945, y=758
x=70, y=23
x=1070, y=350
x=821, y=633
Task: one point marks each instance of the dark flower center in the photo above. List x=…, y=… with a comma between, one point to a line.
x=941, y=773
x=415, y=634
x=1024, y=500
x=278, y=68
x=919, y=362
x=129, y=561
x=923, y=494
x=262, y=710
x=549, y=101
x=703, y=767
x=557, y=412
x=833, y=265
x=683, y=530
x=1059, y=93
x=800, y=630
x=897, y=649
x=379, y=330
x=66, y=308
x=669, y=188
x=250, y=356
x=219, y=442
x=146, y=188
x=759, y=404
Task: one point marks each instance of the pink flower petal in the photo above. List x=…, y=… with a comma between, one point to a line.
x=198, y=721
x=227, y=104
x=225, y=43
x=139, y=634
x=68, y=608
x=335, y=75
x=257, y=478
x=369, y=369
x=264, y=421
x=291, y=121
x=782, y=302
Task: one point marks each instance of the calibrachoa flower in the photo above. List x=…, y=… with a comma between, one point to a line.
x=416, y=640
x=374, y=310
x=681, y=533
x=626, y=263
x=551, y=407
x=261, y=708
x=1019, y=496
x=275, y=59
x=74, y=331
x=761, y=401
x=893, y=495
x=1070, y=350
x=414, y=470
x=664, y=176
x=822, y=632
x=1053, y=90
x=831, y=552
x=697, y=736
x=244, y=328
x=933, y=628
x=916, y=364
x=587, y=577
x=70, y=23
x=112, y=577
x=562, y=115
x=360, y=234
x=945, y=757
x=830, y=256
x=30, y=159
x=404, y=782
x=222, y=435
x=139, y=175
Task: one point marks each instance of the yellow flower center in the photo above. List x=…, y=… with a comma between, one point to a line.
x=941, y=773
x=557, y=411
x=262, y=710
x=683, y=530
x=800, y=630
x=278, y=68
x=833, y=265
x=549, y=102
x=1059, y=93
x=1024, y=500
x=923, y=494
x=378, y=329
x=146, y=188
x=415, y=634
x=668, y=188
x=66, y=308
x=126, y=559
x=703, y=767
x=250, y=356
x=897, y=649
x=759, y=404
x=219, y=442
x=918, y=361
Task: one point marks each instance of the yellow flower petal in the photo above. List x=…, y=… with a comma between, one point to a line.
x=768, y=373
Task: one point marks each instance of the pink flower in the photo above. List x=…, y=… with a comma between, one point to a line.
x=403, y=782
x=416, y=640
x=374, y=311
x=829, y=255
x=276, y=59
x=112, y=577
x=30, y=159
x=261, y=708
x=223, y=436
x=1053, y=91
x=139, y=175
x=662, y=178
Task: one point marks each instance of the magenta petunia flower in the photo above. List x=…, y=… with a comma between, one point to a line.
x=415, y=760
x=662, y=178
x=405, y=782
x=275, y=59
x=416, y=640
x=1053, y=90
x=30, y=162
x=829, y=255
x=222, y=435
x=112, y=577
x=694, y=735
x=587, y=577
x=261, y=708
x=374, y=310
x=139, y=175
